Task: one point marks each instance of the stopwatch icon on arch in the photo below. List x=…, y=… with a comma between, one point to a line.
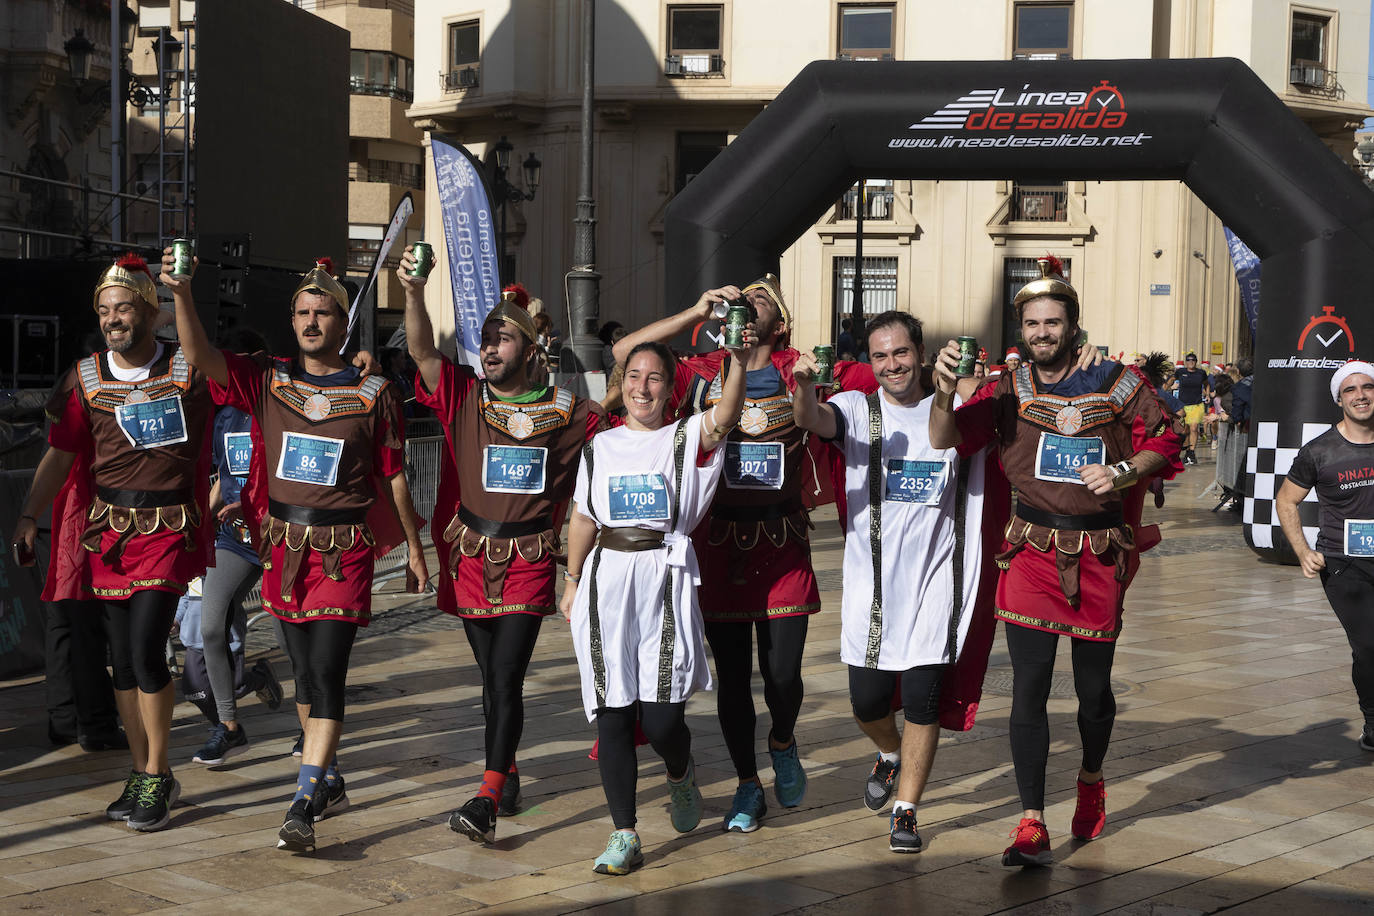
x=1338, y=328
x=1104, y=97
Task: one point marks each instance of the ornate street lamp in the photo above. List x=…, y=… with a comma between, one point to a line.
x=81, y=52
x=508, y=193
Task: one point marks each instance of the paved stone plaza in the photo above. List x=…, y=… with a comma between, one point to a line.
x=1234, y=781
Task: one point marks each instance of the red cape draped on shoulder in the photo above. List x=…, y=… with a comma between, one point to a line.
x=66, y=576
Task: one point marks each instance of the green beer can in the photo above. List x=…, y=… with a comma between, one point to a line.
x=183, y=259
x=968, y=356
x=736, y=319
x=825, y=365
x=423, y=253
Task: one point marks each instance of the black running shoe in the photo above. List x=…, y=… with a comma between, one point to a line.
x=476, y=820
x=511, y=799
x=1367, y=737
x=329, y=798
x=880, y=783
x=104, y=741
x=299, y=747
x=270, y=692
x=221, y=745
x=122, y=807
x=156, y=796
x=297, y=833
x=903, y=836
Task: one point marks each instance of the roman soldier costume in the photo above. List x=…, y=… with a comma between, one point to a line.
x=322, y=447
x=505, y=486
x=130, y=513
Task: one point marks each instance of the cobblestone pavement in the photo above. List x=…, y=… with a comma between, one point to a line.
x=1234, y=781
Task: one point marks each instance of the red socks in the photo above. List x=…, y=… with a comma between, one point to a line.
x=492, y=784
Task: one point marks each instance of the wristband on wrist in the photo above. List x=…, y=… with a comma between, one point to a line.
x=29, y=517
x=1124, y=475
x=944, y=400
x=572, y=577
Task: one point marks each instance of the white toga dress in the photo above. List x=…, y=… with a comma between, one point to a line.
x=636, y=622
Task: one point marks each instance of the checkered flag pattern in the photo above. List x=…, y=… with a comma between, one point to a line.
x=1273, y=447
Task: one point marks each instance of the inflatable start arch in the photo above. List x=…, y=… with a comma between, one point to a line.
x=1211, y=123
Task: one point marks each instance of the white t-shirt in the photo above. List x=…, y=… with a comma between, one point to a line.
x=923, y=493
x=139, y=373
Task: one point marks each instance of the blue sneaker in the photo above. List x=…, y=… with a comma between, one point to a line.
x=684, y=801
x=623, y=853
x=789, y=779
x=747, y=810
x=221, y=745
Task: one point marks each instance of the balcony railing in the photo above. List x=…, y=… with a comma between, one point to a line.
x=878, y=204
x=686, y=66
x=1038, y=205
x=397, y=173
x=401, y=6
x=362, y=87
x=469, y=77
x=1313, y=78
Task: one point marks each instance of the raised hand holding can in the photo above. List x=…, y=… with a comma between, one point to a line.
x=825, y=365
x=183, y=259
x=423, y=254
x=968, y=356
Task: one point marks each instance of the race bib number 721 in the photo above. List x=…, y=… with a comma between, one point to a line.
x=152, y=424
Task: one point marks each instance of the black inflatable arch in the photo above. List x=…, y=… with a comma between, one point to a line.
x=1211, y=123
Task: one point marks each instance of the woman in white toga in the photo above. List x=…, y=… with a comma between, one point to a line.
x=631, y=592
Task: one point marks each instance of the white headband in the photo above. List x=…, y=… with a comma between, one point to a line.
x=1354, y=367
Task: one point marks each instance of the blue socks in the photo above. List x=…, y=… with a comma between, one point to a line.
x=306, y=782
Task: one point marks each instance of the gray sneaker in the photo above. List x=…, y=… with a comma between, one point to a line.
x=881, y=782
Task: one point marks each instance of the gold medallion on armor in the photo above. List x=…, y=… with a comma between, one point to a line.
x=519, y=424
x=316, y=407
x=137, y=396
x=1069, y=420
x=754, y=420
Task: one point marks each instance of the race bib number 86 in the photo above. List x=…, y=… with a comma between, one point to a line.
x=310, y=459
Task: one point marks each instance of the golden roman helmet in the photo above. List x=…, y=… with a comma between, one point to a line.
x=509, y=310
x=1050, y=283
x=130, y=272
x=770, y=285
x=320, y=279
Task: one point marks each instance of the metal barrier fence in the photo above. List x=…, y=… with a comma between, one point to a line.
x=424, y=459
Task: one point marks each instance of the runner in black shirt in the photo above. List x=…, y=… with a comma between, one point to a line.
x=1190, y=384
x=1340, y=464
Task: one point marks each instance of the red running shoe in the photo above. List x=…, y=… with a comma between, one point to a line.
x=1030, y=845
x=1091, y=814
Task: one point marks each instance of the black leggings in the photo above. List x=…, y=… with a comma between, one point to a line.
x=665, y=725
x=781, y=641
x=1032, y=660
x=137, y=630
x=503, y=646
x=870, y=693
x=319, y=652
x=1349, y=587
